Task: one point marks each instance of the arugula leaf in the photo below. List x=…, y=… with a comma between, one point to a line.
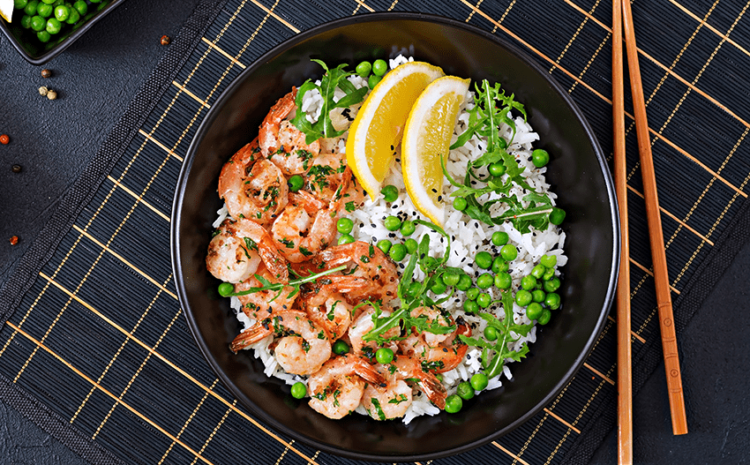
x=332, y=79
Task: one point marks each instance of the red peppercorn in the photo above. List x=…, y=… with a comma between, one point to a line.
x=165, y=40
x=14, y=240
x=46, y=73
x=4, y=139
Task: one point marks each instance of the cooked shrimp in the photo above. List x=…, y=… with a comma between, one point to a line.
x=440, y=357
x=235, y=253
x=300, y=235
x=262, y=304
x=252, y=187
x=302, y=347
x=331, y=179
x=362, y=325
x=366, y=261
x=336, y=389
x=393, y=399
x=283, y=143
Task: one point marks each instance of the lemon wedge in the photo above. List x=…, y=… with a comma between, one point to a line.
x=6, y=9
x=379, y=125
x=427, y=137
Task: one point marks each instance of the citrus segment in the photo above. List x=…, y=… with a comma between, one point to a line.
x=427, y=138
x=379, y=125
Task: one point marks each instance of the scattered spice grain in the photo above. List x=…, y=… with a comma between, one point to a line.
x=14, y=240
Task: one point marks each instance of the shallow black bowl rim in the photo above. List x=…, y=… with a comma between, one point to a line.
x=58, y=49
x=180, y=191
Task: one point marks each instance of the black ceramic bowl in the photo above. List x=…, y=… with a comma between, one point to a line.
x=578, y=173
x=38, y=53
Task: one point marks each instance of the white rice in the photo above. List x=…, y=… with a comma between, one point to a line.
x=468, y=237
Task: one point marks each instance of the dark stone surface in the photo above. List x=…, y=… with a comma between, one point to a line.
x=98, y=76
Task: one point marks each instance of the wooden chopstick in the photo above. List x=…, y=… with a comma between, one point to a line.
x=656, y=238
x=624, y=347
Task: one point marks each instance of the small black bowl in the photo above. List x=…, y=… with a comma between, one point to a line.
x=578, y=173
x=38, y=53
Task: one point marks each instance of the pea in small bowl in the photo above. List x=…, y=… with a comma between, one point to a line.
x=36, y=52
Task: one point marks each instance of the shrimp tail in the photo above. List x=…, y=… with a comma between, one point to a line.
x=364, y=370
x=433, y=389
x=460, y=349
x=250, y=336
x=269, y=128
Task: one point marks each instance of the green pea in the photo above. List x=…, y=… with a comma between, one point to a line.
x=299, y=390
x=81, y=7
x=539, y=158
x=296, y=182
x=340, y=347
x=549, y=274
x=392, y=223
x=439, y=377
x=548, y=261
x=380, y=67
x=497, y=169
x=414, y=289
x=397, y=252
x=373, y=80
x=61, y=13
x=26, y=22
x=438, y=286
x=31, y=7
x=552, y=285
x=472, y=293
x=464, y=282
x=471, y=307
x=74, y=16
x=363, y=69
x=460, y=204
x=95, y=1
x=390, y=193
x=538, y=295
x=43, y=36
x=557, y=216
x=49, y=2
x=345, y=239
x=384, y=245
x=499, y=265
x=384, y=355
x=465, y=391
x=490, y=333
x=534, y=311
x=20, y=4
x=451, y=277
x=500, y=238
x=453, y=404
x=226, y=289
x=411, y=245
x=509, y=252
x=44, y=10
x=38, y=23
x=483, y=260
x=428, y=264
x=53, y=26
x=502, y=143
x=484, y=300
x=503, y=280
x=479, y=381
x=523, y=298
x=485, y=281
x=344, y=225
x=538, y=271
x=528, y=283
x=408, y=228
x=545, y=317
x=552, y=301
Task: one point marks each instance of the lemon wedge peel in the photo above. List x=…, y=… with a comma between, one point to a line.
x=378, y=127
x=427, y=137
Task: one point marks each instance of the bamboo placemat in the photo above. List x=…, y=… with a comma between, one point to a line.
x=96, y=351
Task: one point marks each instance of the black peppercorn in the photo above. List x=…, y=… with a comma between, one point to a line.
x=165, y=40
x=16, y=168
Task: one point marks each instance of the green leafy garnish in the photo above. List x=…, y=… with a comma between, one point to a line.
x=295, y=283
x=494, y=366
x=333, y=78
x=492, y=109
